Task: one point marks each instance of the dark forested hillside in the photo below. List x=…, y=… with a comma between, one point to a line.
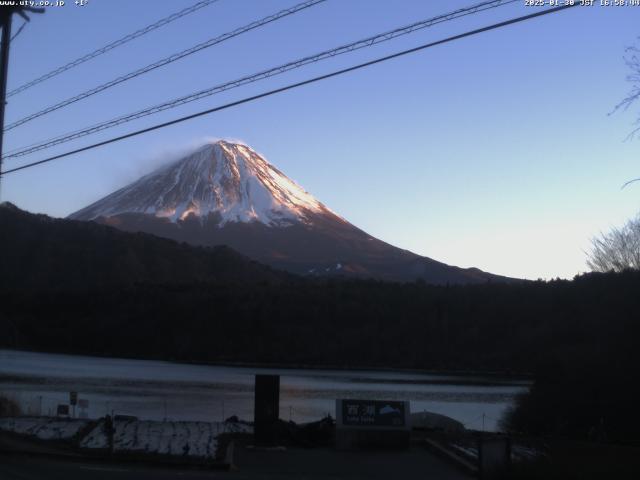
x=79, y=286
x=147, y=297
x=41, y=252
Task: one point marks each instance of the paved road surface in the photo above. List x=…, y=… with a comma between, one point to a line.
x=23, y=467
x=416, y=463
x=315, y=464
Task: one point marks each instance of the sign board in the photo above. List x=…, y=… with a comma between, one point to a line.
x=73, y=398
x=83, y=403
x=62, y=410
x=372, y=424
x=373, y=413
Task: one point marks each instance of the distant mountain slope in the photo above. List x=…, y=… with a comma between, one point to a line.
x=40, y=252
x=226, y=194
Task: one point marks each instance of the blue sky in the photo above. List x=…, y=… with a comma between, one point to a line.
x=494, y=151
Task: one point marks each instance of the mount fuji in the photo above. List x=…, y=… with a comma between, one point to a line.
x=226, y=193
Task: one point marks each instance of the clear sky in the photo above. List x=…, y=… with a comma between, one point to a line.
x=495, y=151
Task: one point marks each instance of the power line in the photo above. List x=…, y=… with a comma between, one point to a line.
x=127, y=38
x=367, y=42
x=167, y=60
x=13, y=37
x=298, y=84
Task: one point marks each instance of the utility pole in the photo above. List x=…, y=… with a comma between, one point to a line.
x=6, y=14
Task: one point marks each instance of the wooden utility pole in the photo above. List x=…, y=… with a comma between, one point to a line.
x=6, y=13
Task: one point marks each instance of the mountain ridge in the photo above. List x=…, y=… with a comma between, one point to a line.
x=226, y=193
x=220, y=177
x=50, y=253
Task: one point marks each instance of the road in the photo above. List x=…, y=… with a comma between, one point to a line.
x=312, y=464
x=34, y=467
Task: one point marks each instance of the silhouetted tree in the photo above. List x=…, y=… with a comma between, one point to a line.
x=632, y=59
x=617, y=250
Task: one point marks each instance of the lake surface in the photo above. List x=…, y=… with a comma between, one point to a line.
x=157, y=390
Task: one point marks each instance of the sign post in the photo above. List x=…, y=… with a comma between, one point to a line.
x=73, y=400
x=494, y=456
x=372, y=423
x=266, y=409
x=62, y=410
x=83, y=404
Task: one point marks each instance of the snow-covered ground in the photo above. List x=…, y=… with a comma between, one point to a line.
x=518, y=452
x=471, y=452
x=523, y=452
x=193, y=439
x=44, y=428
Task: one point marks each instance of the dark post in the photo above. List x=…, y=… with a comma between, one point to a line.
x=6, y=14
x=109, y=430
x=4, y=65
x=494, y=456
x=266, y=409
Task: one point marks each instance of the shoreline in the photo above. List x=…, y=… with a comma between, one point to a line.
x=280, y=366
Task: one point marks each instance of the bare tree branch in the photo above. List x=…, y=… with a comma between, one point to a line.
x=617, y=250
x=629, y=182
x=632, y=59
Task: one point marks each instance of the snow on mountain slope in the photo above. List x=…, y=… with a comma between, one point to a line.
x=226, y=194
x=224, y=178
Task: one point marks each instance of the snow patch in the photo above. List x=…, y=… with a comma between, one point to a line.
x=192, y=439
x=43, y=428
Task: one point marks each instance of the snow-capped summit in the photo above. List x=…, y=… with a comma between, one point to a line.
x=225, y=193
x=227, y=180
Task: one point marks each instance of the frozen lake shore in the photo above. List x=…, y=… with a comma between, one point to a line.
x=155, y=390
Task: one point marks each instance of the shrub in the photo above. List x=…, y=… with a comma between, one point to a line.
x=9, y=407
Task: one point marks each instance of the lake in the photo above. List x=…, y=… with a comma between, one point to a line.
x=158, y=390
